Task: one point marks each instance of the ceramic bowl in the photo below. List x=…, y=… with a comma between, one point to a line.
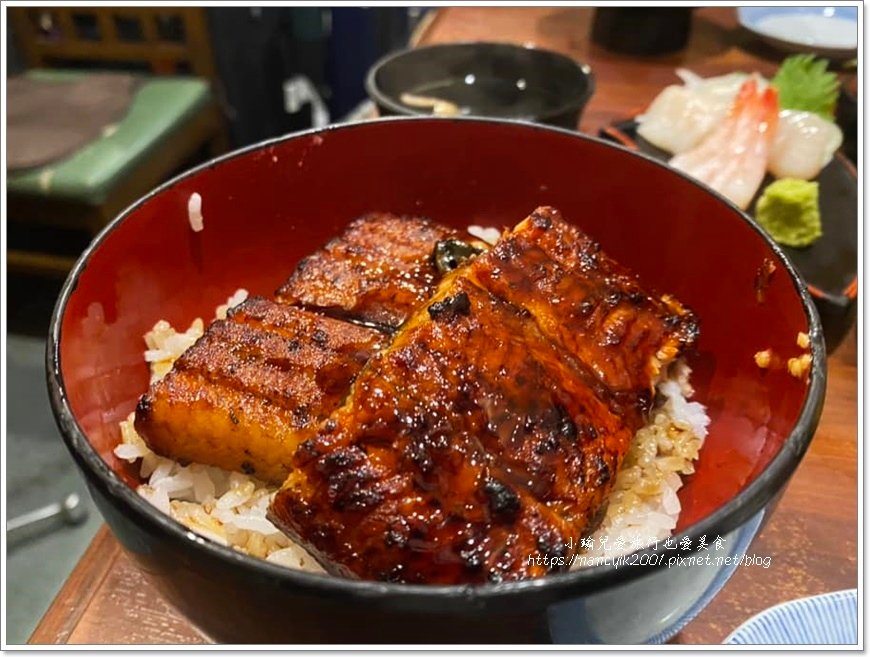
x=267, y=206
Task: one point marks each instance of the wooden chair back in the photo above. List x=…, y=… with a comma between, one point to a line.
x=165, y=40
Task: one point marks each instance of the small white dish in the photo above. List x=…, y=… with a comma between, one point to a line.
x=827, y=31
x=829, y=619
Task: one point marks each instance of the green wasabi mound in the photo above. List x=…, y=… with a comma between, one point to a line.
x=789, y=210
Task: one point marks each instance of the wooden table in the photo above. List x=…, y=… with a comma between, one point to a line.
x=812, y=538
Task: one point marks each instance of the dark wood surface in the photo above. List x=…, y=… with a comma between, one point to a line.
x=811, y=539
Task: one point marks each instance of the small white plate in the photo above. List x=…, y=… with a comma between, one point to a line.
x=829, y=619
x=827, y=31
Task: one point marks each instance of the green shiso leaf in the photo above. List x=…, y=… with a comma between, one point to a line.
x=804, y=83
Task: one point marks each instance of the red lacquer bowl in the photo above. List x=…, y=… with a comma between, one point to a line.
x=268, y=206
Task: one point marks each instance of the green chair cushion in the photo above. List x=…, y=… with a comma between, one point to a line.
x=159, y=107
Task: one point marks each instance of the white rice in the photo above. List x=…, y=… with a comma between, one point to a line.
x=643, y=506
x=230, y=507
x=489, y=235
x=194, y=212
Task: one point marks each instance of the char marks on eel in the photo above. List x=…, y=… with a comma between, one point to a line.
x=378, y=271
x=492, y=426
x=260, y=382
x=253, y=387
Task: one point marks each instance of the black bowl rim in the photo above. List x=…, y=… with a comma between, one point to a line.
x=749, y=501
x=384, y=99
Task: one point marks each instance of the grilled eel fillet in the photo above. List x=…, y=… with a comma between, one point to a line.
x=258, y=383
x=378, y=271
x=253, y=387
x=486, y=433
x=587, y=302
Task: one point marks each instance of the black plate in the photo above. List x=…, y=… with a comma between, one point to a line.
x=829, y=265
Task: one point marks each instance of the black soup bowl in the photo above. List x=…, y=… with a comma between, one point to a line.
x=496, y=80
x=266, y=207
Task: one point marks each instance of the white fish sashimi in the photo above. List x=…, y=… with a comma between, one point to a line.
x=803, y=145
x=681, y=116
x=678, y=119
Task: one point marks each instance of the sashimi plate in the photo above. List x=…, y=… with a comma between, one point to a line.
x=829, y=265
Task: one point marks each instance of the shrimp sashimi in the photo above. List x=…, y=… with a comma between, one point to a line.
x=733, y=158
